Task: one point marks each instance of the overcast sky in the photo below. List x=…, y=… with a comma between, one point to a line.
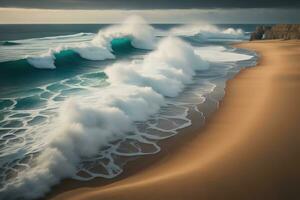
x=155, y=11
x=149, y=4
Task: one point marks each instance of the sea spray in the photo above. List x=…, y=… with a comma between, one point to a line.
x=166, y=70
x=69, y=127
x=85, y=125
x=44, y=61
x=206, y=31
x=134, y=28
x=137, y=30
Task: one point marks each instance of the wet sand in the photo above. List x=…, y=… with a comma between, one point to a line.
x=249, y=148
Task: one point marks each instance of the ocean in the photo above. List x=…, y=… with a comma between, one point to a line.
x=80, y=101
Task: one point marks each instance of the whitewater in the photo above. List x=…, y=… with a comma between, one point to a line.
x=83, y=105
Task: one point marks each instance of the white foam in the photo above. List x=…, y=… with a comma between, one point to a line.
x=166, y=70
x=88, y=51
x=44, y=61
x=207, y=31
x=136, y=28
x=85, y=125
x=137, y=91
x=65, y=36
x=220, y=54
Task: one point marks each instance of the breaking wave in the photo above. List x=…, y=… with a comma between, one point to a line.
x=137, y=90
x=116, y=114
x=55, y=58
x=134, y=32
x=207, y=32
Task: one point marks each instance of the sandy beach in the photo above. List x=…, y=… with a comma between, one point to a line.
x=248, y=149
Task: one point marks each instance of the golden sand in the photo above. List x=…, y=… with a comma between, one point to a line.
x=249, y=149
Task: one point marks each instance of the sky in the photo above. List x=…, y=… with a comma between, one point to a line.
x=154, y=11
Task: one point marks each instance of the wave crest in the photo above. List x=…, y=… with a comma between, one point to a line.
x=139, y=33
x=84, y=125
x=165, y=70
x=207, y=31
x=134, y=27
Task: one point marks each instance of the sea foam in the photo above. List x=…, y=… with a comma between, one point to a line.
x=137, y=90
x=207, y=31
x=220, y=54
x=44, y=61
x=91, y=125
x=166, y=70
x=135, y=28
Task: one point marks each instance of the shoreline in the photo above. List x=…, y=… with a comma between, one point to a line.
x=225, y=159
x=140, y=163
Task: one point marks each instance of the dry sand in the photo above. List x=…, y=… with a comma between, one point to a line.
x=249, y=149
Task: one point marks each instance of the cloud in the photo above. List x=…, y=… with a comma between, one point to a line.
x=215, y=16
x=153, y=4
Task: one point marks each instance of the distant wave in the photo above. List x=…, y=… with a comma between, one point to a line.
x=9, y=43
x=17, y=68
x=84, y=50
x=61, y=55
x=134, y=31
x=65, y=36
x=207, y=32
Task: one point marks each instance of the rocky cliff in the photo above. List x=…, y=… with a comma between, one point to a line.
x=280, y=31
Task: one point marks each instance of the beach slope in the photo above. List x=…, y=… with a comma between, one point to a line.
x=249, y=149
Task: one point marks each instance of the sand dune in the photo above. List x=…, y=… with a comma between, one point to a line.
x=249, y=149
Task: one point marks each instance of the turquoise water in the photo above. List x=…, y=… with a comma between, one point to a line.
x=93, y=101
